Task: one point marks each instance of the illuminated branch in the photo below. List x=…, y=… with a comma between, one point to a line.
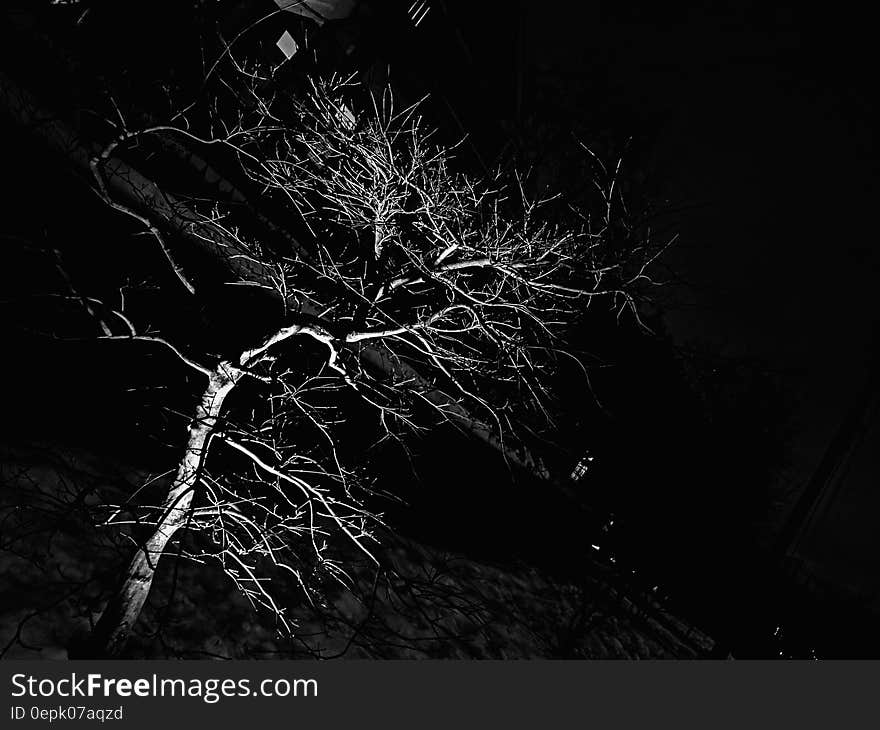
x=434, y=297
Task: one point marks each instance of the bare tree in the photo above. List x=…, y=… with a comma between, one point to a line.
x=424, y=296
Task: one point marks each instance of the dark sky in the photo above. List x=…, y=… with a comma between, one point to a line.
x=761, y=121
x=764, y=123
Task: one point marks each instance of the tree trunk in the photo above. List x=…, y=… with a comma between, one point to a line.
x=111, y=633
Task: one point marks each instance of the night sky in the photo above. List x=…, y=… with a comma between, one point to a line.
x=762, y=125
x=754, y=128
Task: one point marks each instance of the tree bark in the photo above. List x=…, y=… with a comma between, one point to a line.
x=113, y=629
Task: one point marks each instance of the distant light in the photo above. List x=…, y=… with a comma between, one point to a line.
x=595, y=547
x=418, y=10
x=287, y=45
x=581, y=468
